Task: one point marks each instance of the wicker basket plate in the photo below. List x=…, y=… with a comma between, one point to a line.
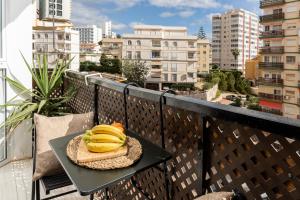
x=133, y=154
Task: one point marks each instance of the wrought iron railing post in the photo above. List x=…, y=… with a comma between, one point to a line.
x=96, y=109
x=205, y=151
x=125, y=93
x=162, y=101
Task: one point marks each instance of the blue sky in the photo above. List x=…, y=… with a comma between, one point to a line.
x=126, y=13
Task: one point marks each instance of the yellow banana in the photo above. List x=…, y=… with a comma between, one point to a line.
x=105, y=138
x=108, y=129
x=103, y=147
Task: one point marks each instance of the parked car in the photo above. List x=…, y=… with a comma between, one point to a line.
x=231, y=97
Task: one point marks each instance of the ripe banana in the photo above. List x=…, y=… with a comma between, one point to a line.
x=105, y=138
x=110, y=130
x=103, y=147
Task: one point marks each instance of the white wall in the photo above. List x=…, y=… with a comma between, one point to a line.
x=18, y=38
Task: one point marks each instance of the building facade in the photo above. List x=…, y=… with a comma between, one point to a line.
x=107, y=29
x=168, y=51
x=204, y=56
x=112, y=47
x=89, y=37
x=58, y=9
x=237, y=30
x=65, y=45
x=280, y=80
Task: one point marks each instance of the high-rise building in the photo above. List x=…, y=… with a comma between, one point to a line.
x=280, y=80
x=107, y=29
x=58, y=9
x=234, y=31
x=204, y=56
x=169, y=51
x=89, y=37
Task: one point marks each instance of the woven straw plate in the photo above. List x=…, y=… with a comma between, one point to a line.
x=134, y=153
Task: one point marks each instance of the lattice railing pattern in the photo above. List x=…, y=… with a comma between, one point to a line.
x=183, y=132
x=259, y=164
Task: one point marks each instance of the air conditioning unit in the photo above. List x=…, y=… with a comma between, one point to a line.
x=286, y=97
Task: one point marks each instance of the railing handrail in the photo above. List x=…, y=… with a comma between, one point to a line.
x=264, y=121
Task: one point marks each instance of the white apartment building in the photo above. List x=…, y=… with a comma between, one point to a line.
x=89, y=37
x=107, y=29
x=204, y=56
x=58, y=9
x=169, y=51
x=235, y=29
x=65, y=45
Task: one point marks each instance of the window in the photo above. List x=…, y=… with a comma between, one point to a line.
x=174, y=77
x=138, y=55
x=60, y=36
x=166, y=44
x=129, y=42
x=59, y=7
x=290, y=77
x=59, y=13
x=129, y=55
x=165, y=77
x=175, y=44
x=290, y=59
x=174, y=67
x=68, y=37
x=2, y=115
x=46, y=35
x=165, y=67
x=191, y=75
x=138, y=43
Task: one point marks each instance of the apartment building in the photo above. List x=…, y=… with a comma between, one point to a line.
x=89, y=37
x=112, y=47
x=64, y=45
x=238, y=30
x=204, y=56
x=169, y=51
x=58, y=9
x=280, y=81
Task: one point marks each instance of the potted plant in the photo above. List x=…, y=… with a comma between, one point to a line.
x=39, y=99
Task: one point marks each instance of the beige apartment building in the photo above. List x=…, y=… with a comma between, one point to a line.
x=169, y=51
x=204, y=56
x=112, y=47
x=235, y=29
x=279, y=84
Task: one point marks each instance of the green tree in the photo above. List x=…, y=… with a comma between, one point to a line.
x=135, y=71
x=104, y=61
x=230, y=81
x=88, y=66
x=119, y=36
x=235, y=53
x=201, y=33
x=223, y=82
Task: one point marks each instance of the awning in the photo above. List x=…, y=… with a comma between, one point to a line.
x=271, y=105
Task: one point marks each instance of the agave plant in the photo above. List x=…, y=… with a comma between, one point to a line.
x=39, y=99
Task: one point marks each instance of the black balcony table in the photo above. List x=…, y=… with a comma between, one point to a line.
x=88, y=181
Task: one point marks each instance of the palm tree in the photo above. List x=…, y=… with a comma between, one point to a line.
x=235, y=53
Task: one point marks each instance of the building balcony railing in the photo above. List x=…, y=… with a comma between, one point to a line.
x=234, y=143
x=272, y=17
x=272, y=34
x=271, y=96
x=267, y=3
x=271, y=65
x=270, y=81
x=272, y=50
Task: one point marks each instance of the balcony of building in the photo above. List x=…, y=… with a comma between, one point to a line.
x=272, y=97
x=270, y=81
x=272, y=50
x=272, y=34
x=271, y=17
x=271, y=65
x=268, y=3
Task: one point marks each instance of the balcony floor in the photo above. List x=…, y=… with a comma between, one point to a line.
x=15, y=183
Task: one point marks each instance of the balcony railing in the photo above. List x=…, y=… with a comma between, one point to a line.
x=272, y=34
x=214, y=147
x=271, y=65
x=267, y=3
x=272, y=17
x=272, y=50
x=271, y=96
x=270, y=81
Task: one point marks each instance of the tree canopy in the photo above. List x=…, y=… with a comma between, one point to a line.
x=201, y=33
x=135, y=71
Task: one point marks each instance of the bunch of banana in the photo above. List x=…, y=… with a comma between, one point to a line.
x=105, y=138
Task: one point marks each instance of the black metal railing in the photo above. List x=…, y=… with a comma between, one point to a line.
x=271, y=17
x=270, y=81
x=271, y=65
x=272, y=34
x=272, y=50
x=274, y=97
x=214, y=147
x=267, y=3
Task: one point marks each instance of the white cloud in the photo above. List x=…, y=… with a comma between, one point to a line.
x=118, y=26
x=118, y=4
x=132, y=24
x=228, y=6
x=167, y=14
x=185, y=3
x=186, y=13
